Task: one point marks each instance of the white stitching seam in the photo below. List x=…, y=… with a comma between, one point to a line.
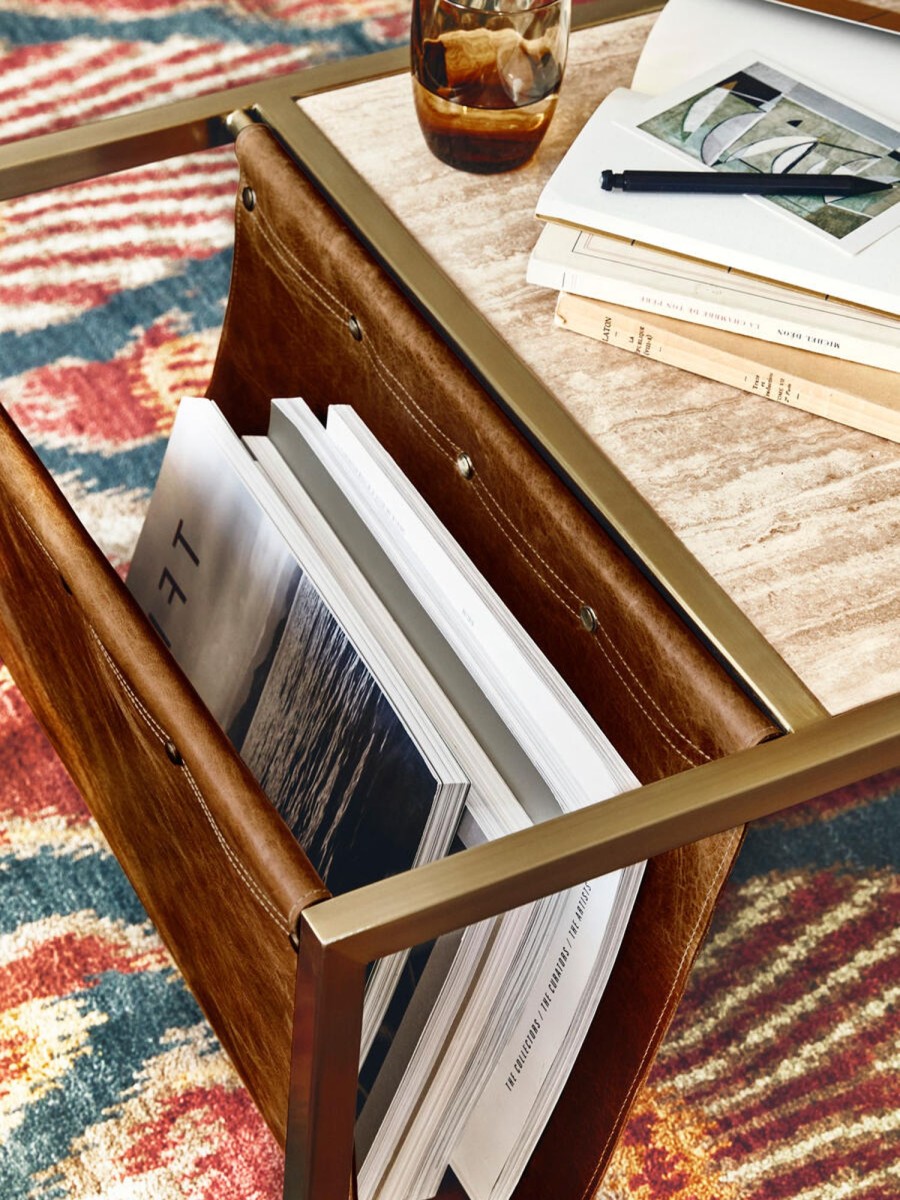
x=308, y=280
x=293, y=266
x=299, y=270
x=249, y=882
x=158, y=731
x=612, y=664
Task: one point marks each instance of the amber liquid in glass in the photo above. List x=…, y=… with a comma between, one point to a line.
x=485, y=93
x=483, y=140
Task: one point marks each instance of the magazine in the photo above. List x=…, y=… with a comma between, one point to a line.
x=274, y=588
x=522, y=990
x=328, y=722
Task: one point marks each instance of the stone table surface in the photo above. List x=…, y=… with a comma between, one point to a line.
x=796, y=517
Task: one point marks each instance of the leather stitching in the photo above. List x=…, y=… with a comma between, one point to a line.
x=301, y=272
x=250, y=883
x=290, y=262
x=307, y=279
x=603, y=650
x=714, y=886
x=158, y=732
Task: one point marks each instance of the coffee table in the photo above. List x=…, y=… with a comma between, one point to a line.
x=769, y=530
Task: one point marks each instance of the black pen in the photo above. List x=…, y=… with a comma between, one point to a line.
x=742, y=182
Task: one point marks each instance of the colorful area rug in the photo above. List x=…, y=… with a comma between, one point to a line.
x=778, y=1078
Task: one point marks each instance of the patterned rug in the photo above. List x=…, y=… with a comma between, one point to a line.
x=778, y=1078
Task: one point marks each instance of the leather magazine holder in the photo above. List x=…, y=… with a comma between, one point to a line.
x=312, y=314
x=216, y=869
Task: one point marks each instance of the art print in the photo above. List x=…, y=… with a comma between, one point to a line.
x=756, y=117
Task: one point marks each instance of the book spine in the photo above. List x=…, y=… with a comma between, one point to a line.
x=747, y=371
x=869, y=341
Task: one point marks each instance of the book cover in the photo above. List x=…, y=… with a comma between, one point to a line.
x=248, y=624
x=294, y=672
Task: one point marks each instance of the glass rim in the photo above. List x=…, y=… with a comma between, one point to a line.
x=533, y=7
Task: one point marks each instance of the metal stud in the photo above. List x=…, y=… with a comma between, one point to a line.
x=173, y=753
x=248, y=198
x=355, y=329
x=465, y=466
x=237, y=121
x=588, y=618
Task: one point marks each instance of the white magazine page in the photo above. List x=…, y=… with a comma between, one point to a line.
x=576, y=759
x=405, y=1122
x=493, y=1131
x=859, y=64
x=411, y=1151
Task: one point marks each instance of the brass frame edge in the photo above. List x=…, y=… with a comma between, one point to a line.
x=165, y=131
x=708, y=608
x=329, y=990
x=627, y=828
x=182, y=127
x=341, y=934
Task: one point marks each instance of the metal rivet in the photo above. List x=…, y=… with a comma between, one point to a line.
x=355, y=328
x=465, y=466
x=248, y=199
x=588, y=618
x=172, y=751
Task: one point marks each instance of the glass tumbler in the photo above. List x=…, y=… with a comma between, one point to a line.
x=486, y=75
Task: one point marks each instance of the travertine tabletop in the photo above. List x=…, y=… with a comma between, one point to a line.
x=796, y=517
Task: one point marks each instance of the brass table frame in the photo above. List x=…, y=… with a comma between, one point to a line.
x=338, y=937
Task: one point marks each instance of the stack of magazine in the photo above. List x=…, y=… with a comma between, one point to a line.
x=794, y=298
x=393, y=710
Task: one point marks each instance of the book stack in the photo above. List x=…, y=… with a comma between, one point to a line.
x=794, y=298
x=393, y=711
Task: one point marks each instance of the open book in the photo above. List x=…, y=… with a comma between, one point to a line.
x=489, y=1019
x=752, y=85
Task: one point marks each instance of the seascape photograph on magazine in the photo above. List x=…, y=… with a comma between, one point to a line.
x=330, y=752
x=753, y=116
x=250, y=628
